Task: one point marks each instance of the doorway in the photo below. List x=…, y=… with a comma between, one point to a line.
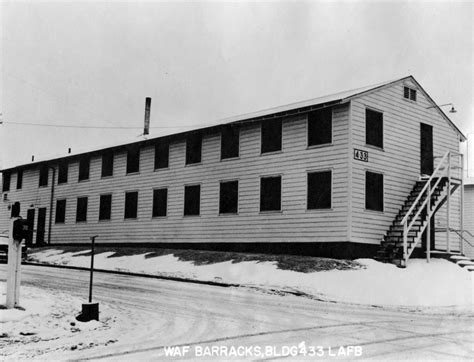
x=426, y=149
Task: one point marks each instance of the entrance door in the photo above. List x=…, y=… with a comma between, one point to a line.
x=40, y=227
x=30, y=217
x=426, y=149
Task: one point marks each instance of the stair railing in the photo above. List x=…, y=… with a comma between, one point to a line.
x=428, y=189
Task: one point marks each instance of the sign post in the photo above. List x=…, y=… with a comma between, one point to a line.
x=14, y=263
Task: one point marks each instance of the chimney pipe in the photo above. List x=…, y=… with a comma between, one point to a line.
x=146, y=129
x=32, y=158
x=69, y=150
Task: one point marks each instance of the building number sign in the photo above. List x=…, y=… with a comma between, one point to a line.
x=361, y=155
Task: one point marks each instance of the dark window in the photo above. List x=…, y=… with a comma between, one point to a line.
x=270, y=193
x=81, y=212
x=6, y=181
x=374, y=128
x=320, y=127
x=62, y=172
x=319, y=190
x=133, y=159
x=105, y=207
x=271, y=135
x=192, y=199
x=43, y=176
x=193, y=148
x=229, y=142
x=131, y=205
x=160, y=200
x=229, y=197
x=60, y=211
x=373, y=191
x=409, y=93
x=84, y=166
x=19, y=179
x=162, y=153
x=107, y=164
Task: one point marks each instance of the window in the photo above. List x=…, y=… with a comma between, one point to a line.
x=19, y=179
x=84, y=165
x=320, y=127
x=373, y=191
x=193, y=148
x=319, y=190
x=107, y=164
x=162, y=153
x=271, y=135
x=228, y=198
x=43, y=175
x=131, y=205
x=374, y=128
x=105, y=207
x=62, y=172
x=60, y=211
x=409, y=93
x=270, y=193
x=229, y=142
x=192, y=200
x=160, y=200
x=133, y=159
x=81, y=212
x=6, y=181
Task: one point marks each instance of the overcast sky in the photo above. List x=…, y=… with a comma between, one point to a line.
x=93, y=64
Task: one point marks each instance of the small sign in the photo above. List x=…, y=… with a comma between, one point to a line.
x=361, y=155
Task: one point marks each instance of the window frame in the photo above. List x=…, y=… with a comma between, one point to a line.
x=331, y=184
x=63, y=167
x=82, y=219
x=6, y=176
x=43, y=176
x=234, y=131
x=133, y=150
x=308, y=122
x=63, y=218
x=367, y=129
x=191, y=140
x=153, y=208
x=125, y=217
x=236, y=212
x=163, y=145
x=84, y=168
x=101, y=219
x=264, y=130
x=367, y=171
x=107, y=156
x=199, y=200
x=412, y=93
x=280, y=177
x=19, y=179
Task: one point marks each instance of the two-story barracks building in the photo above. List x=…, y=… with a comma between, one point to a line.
x=324, y=176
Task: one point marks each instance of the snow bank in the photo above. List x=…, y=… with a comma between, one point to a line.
x=439, y=283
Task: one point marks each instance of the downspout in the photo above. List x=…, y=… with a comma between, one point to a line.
x=51, y=205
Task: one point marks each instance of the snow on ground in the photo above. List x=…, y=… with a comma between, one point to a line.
x=46, y=324
x=439, y=283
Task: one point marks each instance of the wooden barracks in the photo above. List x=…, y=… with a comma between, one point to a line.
x=331, y=176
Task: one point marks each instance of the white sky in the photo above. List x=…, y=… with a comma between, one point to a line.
x=94, y=63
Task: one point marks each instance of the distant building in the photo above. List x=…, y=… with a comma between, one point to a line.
x=327, y=176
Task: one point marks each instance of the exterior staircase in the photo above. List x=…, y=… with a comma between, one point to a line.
x=424, y=200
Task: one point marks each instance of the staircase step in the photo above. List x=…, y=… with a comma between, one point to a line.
x=458, y=257
x=465, y=262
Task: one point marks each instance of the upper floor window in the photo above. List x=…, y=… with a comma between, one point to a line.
x=271, y=135
x=131, y=205
x=162, y=152
x=374, y=128
x=60, y=211
x=133, y=159
x=320, y=127
x=229, y=142
x=84, y=166
x=270, y=193
x=43, y=175
x=319, y=190
x=63, y=172
x=373, y=191
x=193, y=148
x=81, y=211
x=229, y=197
x=107, y=164
x=19, y=179
x=409, y=93
x=6, y=181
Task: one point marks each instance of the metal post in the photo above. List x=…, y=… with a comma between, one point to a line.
x=13, y=274
x=462, y=206
x=428, y=230
x=405, y=242
x=50, y=221
x=92, y=268
x=448, y=206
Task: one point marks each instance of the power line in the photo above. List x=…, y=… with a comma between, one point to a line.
x=86, y=127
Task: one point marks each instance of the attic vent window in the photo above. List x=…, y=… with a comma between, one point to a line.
x=409, y=93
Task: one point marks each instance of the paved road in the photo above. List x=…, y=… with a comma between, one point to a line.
x=205, y=317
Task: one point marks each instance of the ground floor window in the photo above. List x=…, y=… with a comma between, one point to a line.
x=60, y=211
x=160, y=200
x=81, y=211
x=373, y=191
x=270, y=193
x=228, y=197
x=319, y=190
x=131, y=205
x=105, y=207
x=192, y=200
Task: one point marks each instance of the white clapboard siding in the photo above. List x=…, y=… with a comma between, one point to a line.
x=293, y=224
x=399, y=161
x=469, y=218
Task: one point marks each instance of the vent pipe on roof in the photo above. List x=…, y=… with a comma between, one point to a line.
x=146, y=128
x=69, y=150
x=32, y=158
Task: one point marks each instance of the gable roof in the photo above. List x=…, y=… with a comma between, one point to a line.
x=275, y=112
